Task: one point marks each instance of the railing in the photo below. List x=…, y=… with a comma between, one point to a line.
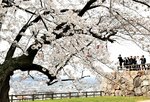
x=135, y=67
x=18, y=98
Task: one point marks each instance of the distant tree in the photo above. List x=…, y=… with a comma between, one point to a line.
x=47, y=35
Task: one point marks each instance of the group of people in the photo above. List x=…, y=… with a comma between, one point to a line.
x=135, y=62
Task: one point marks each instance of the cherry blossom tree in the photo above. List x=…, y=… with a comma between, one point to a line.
x=47, y=35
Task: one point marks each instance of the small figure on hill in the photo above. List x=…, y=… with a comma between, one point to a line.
x=130, y=60
x=120, y=61
x=134, y=61
x=138, y=62
x=143, y=61
x=126, y=62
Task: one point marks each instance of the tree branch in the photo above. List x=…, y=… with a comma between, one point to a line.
x=94, y=6
x=0, y=25
x=104, y=38
x=32, y=51
x=39, y=68
x=142, y=2
x=17, y=39
x=9, y=3
x=19, y=36
x=70, y=56
x=65, y=28
x=33, y=13
x=71, y=79
x=86, y=7
x=44, y=23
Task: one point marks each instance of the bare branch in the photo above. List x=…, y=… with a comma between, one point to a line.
x=30, y=75
x=86, y=7
x=44, y=23
x=41, y=3
x=95, y=6
x=0, y=25
x=39, y=68
x=33, y=13
x=55, y=81
x=104, y=38
x=144, y=28
x=128, y=22
x=142, y=2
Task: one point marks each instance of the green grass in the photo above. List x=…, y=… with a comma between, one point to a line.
x=96, y=99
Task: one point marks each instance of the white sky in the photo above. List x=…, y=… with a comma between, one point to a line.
x=3, y=45
x=126, y=49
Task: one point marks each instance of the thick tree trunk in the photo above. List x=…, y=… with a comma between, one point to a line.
x=5, y=73
x=4, y=88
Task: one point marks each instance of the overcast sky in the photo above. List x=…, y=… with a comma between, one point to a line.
x=126, y=49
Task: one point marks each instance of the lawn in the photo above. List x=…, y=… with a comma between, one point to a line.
x=96, y=99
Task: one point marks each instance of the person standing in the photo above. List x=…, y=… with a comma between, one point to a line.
x=125, y=62
x=138, y=62
x=130, y=63
x=143, y=61
x=120, y=61
x=134, y=66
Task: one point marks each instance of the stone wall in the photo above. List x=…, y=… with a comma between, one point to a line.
x=127, y=83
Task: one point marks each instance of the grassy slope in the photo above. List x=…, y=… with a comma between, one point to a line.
x=96, y=99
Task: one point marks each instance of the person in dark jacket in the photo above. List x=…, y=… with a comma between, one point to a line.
x=143, y=61
x=134, y=65
x=125, y=62
x=120, y=61
x=130, y=60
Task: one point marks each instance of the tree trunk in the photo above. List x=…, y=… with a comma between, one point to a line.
x=4, y=88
